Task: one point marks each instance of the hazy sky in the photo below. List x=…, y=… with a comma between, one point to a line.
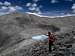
x=46, y=7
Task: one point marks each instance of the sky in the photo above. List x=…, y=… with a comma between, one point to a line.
x=44, y=7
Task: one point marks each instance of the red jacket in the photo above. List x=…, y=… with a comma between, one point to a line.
x=51, y=38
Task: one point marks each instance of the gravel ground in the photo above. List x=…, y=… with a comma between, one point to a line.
x=42, y=48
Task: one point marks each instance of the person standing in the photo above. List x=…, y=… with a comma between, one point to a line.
x=51, y=40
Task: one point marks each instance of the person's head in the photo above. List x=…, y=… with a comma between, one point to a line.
x=49, y=33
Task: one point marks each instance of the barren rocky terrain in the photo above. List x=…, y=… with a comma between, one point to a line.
x=17, y=29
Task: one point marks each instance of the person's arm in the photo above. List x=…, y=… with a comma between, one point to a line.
x=46, y=34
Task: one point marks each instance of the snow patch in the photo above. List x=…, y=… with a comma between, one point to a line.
x=40, y=37
x=50, y=16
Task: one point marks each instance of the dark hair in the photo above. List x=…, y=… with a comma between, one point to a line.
x=49, y=33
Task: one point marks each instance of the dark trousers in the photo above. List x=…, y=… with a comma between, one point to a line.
x=50, y=46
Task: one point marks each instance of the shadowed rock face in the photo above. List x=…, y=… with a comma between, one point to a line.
x=53, y=28
x=14, y=23
x=3, y=38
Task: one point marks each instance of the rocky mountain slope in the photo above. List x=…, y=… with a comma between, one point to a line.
x=16, y=27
